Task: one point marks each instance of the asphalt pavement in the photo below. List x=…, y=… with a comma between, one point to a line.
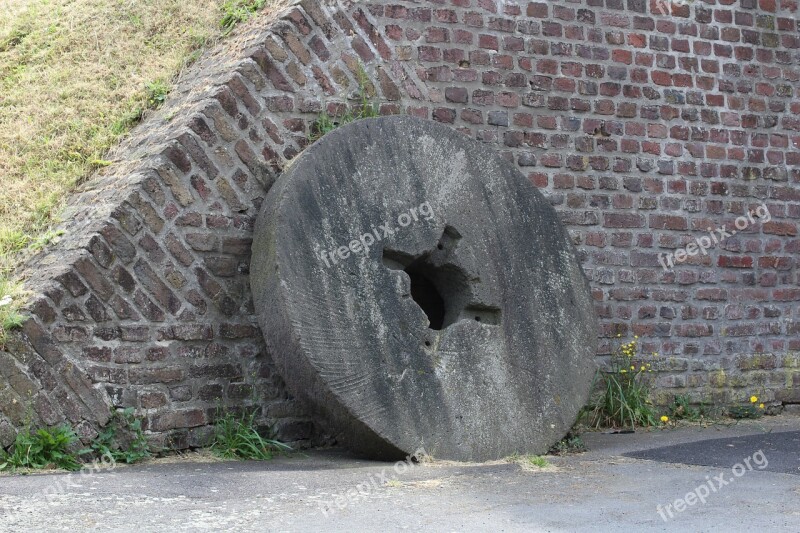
x=658, y=480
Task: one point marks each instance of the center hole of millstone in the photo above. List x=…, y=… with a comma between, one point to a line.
x=427, y=296
x=439, y=290
x=439, y=286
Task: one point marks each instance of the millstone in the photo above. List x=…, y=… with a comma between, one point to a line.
x=417, y=291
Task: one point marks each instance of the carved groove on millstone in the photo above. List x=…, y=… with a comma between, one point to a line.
x=469, y=332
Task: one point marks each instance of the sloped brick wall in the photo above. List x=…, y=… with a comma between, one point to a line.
x=645, y=124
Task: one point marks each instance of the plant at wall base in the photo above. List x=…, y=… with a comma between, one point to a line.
x=236, y=437
x=625, y=391
x=682, y=409
x=122, y=439
x=571, y=443
x=366, y=108
x=753, y=409
x=43, y=448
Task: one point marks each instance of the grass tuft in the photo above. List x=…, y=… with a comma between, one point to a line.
x=366, y=108
x=236, y=437
x=156, y=93
x=238, y=11
x=625, y=391
x=528, y=462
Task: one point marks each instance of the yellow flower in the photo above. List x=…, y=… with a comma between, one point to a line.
x=623, y=371
x=648, y=365
x=619, y=335
x=641, y=369
x=753, y=399
x=636, y=336
x=633, y=367
x=664, y=418
x=761, y=406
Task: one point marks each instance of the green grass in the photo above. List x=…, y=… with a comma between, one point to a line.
x=43, y=448
x=624, y=403
x=754, y=409
x=238, y=11
x=528, y=461
x=538, y=461
x=10, y=317
x=236, y=437
x=624, y=399
x=122, y=441
x=75, y=77
x=365, y=109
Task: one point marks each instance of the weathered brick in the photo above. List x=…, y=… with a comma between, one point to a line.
x=177, y=419
x=94, y=278
x=186, y=332
x=157, y=288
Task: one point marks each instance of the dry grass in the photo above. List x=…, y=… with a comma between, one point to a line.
x=75, y=76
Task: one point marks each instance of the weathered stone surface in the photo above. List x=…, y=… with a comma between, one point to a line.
x=417, y=290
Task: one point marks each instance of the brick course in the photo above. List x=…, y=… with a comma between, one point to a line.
x=644, y=130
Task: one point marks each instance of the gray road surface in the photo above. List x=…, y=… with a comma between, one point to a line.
x=602, y=490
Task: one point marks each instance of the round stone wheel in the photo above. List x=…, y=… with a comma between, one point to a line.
x=417, y=292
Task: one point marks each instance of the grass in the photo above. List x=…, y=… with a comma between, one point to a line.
x=537, y=460
x=10, y=317
x=122, y=440
x=528, y=462
x=366, y=109
x=625, y=391
x=236, y=437
x=75, y=76
x=237, y=11
x=743, y=412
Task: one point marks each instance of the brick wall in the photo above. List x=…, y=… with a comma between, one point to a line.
x=645, y=124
